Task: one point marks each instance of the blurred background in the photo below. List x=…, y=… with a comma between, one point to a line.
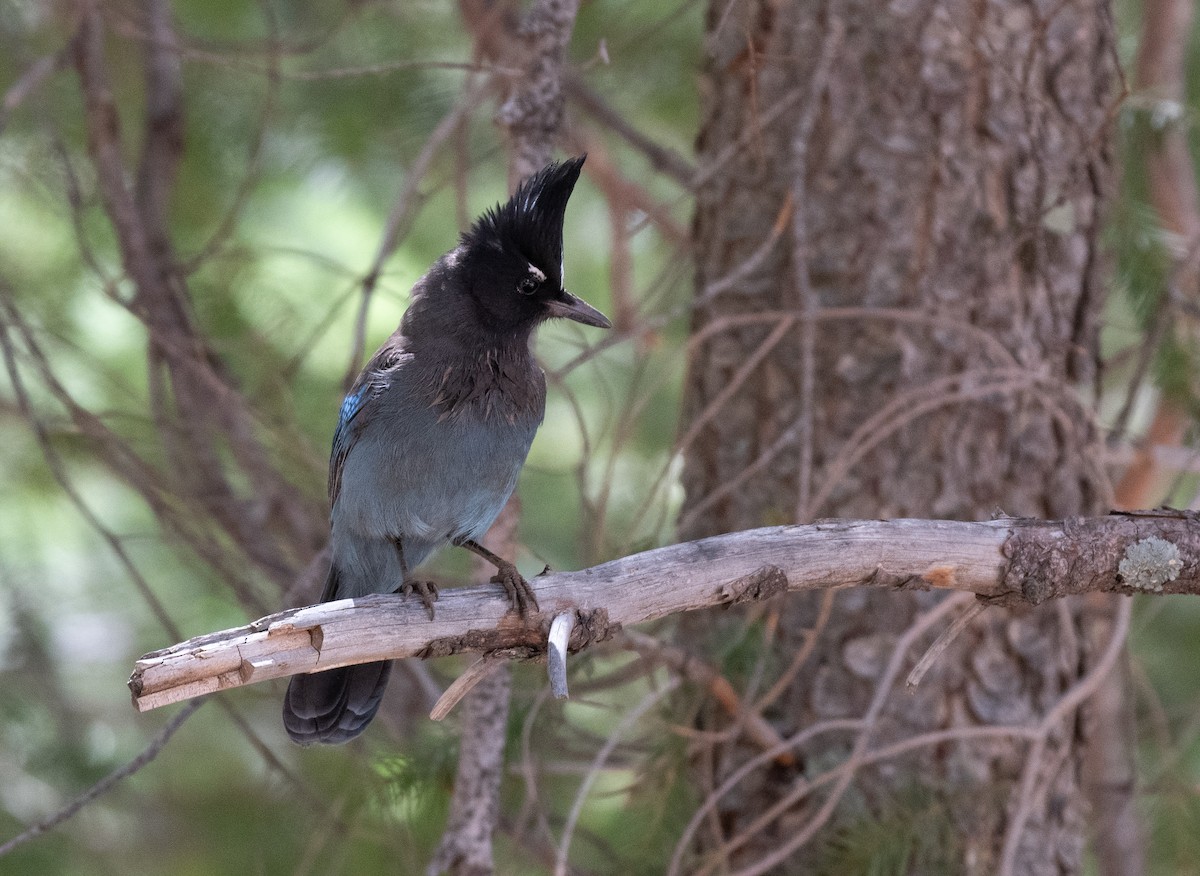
x=310, y=128
x=303, y=122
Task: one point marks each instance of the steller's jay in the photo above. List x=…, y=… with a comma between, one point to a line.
x=434, y=433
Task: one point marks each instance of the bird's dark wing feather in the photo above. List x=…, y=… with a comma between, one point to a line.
x=371, y=383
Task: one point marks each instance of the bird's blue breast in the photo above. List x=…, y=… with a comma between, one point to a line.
x=416, y=474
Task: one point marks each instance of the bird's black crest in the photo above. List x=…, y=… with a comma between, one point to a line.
x=531, y=222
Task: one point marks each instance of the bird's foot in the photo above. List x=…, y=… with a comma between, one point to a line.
x=426, y=590
x=520, y=594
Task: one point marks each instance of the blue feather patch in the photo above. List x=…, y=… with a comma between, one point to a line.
x=351, y=405
x=375, y=378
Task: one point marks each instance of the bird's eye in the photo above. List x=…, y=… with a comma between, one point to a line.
x=527, y=286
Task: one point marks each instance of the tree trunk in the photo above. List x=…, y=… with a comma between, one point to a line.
x=923, y=183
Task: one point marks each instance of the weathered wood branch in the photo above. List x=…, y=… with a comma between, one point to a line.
x=1010, y=561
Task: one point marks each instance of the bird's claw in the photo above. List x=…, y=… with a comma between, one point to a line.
x=520, y=594
x=426, y=590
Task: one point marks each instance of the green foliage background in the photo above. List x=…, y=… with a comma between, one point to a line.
x=329, y=151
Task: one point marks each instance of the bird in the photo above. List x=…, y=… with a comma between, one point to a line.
x=435, y=430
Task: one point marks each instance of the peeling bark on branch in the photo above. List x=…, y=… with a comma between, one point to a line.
x=1009, y=561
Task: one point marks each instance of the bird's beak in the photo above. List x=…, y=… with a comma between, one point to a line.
x=569, y=306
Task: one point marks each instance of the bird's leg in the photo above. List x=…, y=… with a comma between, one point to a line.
x=519, y=592
x=426, y=590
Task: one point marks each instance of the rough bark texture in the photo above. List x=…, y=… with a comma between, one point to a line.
x=466, y=845
x=949, y=160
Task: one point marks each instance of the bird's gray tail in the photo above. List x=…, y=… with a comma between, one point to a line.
x=334, y=706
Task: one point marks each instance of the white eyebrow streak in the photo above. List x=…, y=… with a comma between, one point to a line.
x=537, y=274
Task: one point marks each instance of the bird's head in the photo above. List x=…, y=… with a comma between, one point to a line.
x=512, y=258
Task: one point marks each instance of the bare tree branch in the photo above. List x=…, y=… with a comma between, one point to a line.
x=749, y=715
x=532, y=111
x=466, y=844
x=1010, y=561
x=210, y=414
x=29, y=81
x=631, y=717
x=404, y=209
x=1035, y=760
x=661, y=158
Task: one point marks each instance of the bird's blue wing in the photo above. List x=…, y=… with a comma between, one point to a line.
x=343, y=436
x=355, y=412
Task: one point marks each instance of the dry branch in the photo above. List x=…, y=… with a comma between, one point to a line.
x=1009, y=561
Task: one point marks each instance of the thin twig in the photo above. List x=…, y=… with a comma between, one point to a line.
x=106, y=784
x=749, y=721
x=29, y=81
x=631, y=718
x=464, y=684
x=1026, y=797
x=404, y=209
x=661, y=158
x=853, y=762
x=943, y=642
x=807, y=299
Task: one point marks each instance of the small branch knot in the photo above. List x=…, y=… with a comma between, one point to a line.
x=591, y=626
x=763, y=583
